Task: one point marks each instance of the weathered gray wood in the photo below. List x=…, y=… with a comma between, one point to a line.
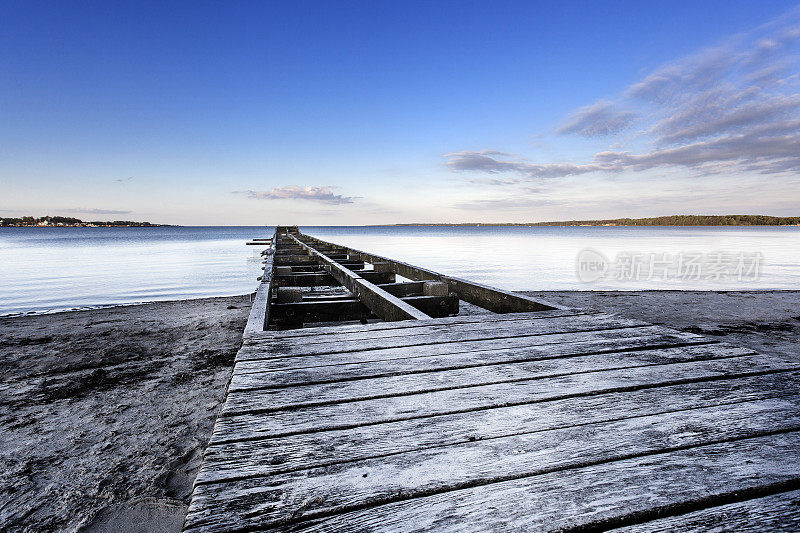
x=439, y=331
x=288, y=294
x=518, y=375
x=465, y=339
x=312, y=450
x=258, y=318
x=380, y=302
x=612, y=476
x=566, y=421
x=409, y=288
x=387, y=329
x=445, y=330
x=494, y=299
x=593, y=497
x=318, y=310
x=775, y=513
x=432, y=357
x=259, y=419
x=482, y=369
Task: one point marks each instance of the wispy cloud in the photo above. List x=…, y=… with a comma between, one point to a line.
x=321, y=194
x=96, y=211
x=734, y=107
x=599, y=119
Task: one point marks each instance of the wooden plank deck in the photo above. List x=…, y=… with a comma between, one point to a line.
x=553, y=420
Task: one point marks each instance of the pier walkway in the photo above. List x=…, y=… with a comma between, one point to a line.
x=532, y=417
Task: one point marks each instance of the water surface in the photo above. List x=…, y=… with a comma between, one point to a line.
x=51, y=269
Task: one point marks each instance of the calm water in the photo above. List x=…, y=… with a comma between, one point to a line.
x=50, y=269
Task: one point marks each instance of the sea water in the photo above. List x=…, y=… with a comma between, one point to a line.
x=54, y=269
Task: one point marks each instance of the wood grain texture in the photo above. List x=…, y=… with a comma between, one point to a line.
x=259, y=311
x=243, y=393
x=777, y=513
x=374, y=351
x=407, y=327
x=566, y=496
x=259, y=418
x=362, y=285
x=311, y=450
x=453, y=355
x=331, y=342
x=583, y=356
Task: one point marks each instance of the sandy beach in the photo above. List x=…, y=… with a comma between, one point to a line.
x=105, y=413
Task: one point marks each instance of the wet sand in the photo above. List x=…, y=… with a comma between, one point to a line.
x=105, y=413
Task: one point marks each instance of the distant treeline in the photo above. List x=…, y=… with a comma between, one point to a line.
x=672, y=220
x=684, y=220
x=49, y=221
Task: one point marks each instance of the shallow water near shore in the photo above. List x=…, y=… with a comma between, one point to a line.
x=55, y=269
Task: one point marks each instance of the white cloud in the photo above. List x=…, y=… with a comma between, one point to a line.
x=599, y=119
x=321, y=194
x=731, y=107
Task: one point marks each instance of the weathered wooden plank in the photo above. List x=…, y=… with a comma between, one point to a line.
x=543, y=477
x=464, y=342
x=258, y=419
x=374, y=377
x=441, y=329
x=512, y=374
x=776, y=513
x=259, y=311
x=312, y=450
x=442, y=336
x=284, y=373
x=406, y=327
x=597, y=496
x=411, y=359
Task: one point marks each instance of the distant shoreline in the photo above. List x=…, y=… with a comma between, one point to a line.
x=673, y=220
x=70, y=222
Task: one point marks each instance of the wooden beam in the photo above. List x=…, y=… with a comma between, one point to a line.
x=258, y=319
x=295, y=314
x=400, y=289
x=380, y=302
x=491, y=298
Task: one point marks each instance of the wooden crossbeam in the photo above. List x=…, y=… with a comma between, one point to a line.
x=295, y=314
x=316, y=279
x=380, y=302
x=491, y=298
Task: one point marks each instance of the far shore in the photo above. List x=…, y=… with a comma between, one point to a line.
x=106, y=412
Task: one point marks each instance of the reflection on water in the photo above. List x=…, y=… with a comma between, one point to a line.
x=47, y=269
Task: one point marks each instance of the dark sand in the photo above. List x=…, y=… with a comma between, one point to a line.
x=105, y=413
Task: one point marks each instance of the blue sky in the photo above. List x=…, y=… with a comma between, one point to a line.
x=385, y=112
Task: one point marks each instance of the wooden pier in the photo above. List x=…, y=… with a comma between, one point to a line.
x=361, y=401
